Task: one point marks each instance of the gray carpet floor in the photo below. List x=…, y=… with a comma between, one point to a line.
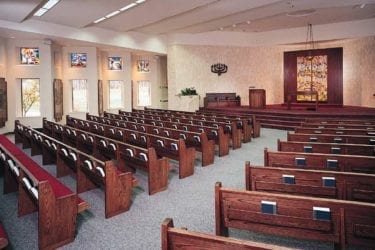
x=189, y=202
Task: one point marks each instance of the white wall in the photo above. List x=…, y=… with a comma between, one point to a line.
x=15, y=71
x=122, y=75
x=2, y=57
x=90, y=73
x=262, y=67
x=154, y=76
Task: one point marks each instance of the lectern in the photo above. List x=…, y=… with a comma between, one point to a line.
x=257, y=98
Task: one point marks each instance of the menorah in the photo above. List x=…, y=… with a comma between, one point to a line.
x=219, y=68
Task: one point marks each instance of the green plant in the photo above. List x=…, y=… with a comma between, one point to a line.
x=188, y=91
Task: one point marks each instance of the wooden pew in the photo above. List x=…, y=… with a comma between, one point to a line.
x=173, y=238
x=243, y=124
x=180, y=152
x=340, y=121
x=91, y=173
x=199, y=141
x=337, y=126
x=328, y=220
x=39, y=191
x=303, y=130
x=213, y=133
x=326, y=148
x=342, y=163
x=251, y=119
x=324, y=184
x=106, y=149
x=229, y=127
x=3, y=238
x=327, y=138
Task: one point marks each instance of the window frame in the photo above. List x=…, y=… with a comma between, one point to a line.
x=122, y=94
x=149, y=93
x=22, y=91
x=87, y=96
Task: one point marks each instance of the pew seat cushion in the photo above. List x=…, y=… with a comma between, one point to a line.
x=3, y=238
x=39, y=173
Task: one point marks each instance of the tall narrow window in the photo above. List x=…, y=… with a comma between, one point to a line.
x=30, y=97
x=79, y=93
x=115, y=94
x=144, y=93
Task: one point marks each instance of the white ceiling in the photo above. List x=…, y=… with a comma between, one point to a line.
x=191, y=16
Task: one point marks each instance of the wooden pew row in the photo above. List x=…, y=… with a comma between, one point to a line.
x=337, y=126
x=173, y=238
x=340, y=121
x=229, y=127
x=90, y=171
x=332, y=131
x=56, y=204
x=251, y=119
x=199, y=141
x=326, y=148
x=237, y=125
x=327, y=138
x=128, y=157
x=3, y=238
x=162, y=146
x=324, y=184
x=327, y=220
x=216, y=134
x=332, y=162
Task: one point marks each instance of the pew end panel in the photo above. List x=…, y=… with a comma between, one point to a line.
x=158, y=172
x=186, y=159
x=223, y=142
x=208, y=150
x=57, y=217
x=118, y=190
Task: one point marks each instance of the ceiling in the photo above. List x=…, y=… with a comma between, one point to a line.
x=192, y=16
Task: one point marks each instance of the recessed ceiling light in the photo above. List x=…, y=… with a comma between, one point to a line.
x=46, y=7
x=112, y=14
x=234, y=25
x=131, y=5
x=301, y=13
x=362, y=6
x=221, y=28
x=11, y=37
x=50, y=4
x=40, y=12
x=248, y=22
x=99, y=20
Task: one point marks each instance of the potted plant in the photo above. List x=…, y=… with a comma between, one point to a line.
x=188, y=91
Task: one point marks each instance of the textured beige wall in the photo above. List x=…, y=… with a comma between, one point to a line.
x=262, y=67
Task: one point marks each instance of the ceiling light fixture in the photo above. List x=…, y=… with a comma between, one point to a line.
x=112, y=14
x=362, y=6
x=131, y=5
x=46, y=7
x=301, y=13
x=116, y=12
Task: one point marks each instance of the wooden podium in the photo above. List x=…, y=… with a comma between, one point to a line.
x=257, y=98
